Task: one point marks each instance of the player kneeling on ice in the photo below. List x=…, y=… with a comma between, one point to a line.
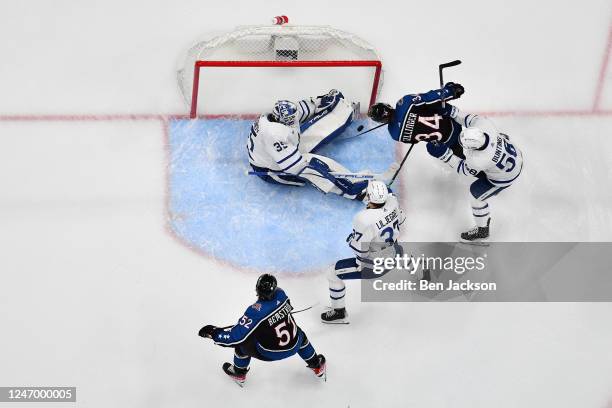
x=375, y=232
x=282, y=143
x=266, y=331
x=469, y=144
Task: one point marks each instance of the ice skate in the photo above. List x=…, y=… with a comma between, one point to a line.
x=235, y=373
x=477, y=235
x=317, y=365
x=335, y=316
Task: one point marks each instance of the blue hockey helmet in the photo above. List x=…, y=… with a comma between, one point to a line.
x=285, y=112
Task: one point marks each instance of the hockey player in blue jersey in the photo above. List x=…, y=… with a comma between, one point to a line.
x=266, y=331
x=281, y=145
x=471, y=145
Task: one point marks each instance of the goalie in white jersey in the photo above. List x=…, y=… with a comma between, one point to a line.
x=375, y=232
x=489, y=156
x=281, y=145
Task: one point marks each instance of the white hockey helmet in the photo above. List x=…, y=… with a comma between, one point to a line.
x=472, y=138
x=377, y=192
x=285, y=112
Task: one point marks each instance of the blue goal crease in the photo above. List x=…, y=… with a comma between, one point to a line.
x=231, y=216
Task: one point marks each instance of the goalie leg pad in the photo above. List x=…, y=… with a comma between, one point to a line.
x=286, y=179
x=321, y=169
x=326, y=126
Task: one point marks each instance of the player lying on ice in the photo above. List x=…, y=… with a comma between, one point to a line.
x=267, y=332
x=282, y=143
x=375, y=232
x=470, y=144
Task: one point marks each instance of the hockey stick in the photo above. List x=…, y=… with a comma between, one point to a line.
x=367, y=131
x=440, y=68
x=341, y=175
x=440, y=73
x=294, y=312
x=401, y=164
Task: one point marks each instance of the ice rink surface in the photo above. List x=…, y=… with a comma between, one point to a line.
x=99, y=290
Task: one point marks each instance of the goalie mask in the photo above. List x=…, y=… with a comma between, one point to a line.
x=285, y=112
x=473, y=138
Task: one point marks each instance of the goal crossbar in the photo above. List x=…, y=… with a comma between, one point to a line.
x=377, y=65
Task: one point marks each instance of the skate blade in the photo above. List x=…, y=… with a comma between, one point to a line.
x=476, y=242
x=342, y=321
x=323, y=375
x=240, y=383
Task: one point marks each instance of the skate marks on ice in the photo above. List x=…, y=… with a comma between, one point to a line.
x=216, y=208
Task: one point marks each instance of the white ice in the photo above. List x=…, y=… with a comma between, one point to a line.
x=96, y=293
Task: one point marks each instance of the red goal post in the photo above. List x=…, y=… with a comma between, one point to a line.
x=377, y=65
x=230, y=72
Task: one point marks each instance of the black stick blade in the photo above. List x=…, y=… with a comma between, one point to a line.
x=450, y=64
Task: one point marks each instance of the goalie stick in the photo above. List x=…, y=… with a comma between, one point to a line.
x=341, y=175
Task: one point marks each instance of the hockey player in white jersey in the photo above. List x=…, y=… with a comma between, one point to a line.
x=282, y=143
x=375, y=232
x=490, y=157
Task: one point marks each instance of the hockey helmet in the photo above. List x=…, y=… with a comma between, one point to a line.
x=266, y=286
x=285, y=112
x=377, y=192
x=473, y=138
x=381, y=112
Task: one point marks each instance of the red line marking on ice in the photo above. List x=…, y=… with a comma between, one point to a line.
x=166, y=117
x=601, y=81
x=164, y=120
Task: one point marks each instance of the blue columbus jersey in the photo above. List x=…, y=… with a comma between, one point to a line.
x=266, y=324
x=417, y=119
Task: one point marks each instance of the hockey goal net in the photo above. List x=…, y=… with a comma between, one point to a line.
x=246, y=70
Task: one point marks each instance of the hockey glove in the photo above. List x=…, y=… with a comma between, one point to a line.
x=437, y=150
x=453, y=91
x=208, y=331
x=446, y=110
x=329, y=100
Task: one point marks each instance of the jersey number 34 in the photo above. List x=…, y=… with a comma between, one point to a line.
x=432, y=122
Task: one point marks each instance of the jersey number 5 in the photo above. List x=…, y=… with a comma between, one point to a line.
x=432, y=122
x=282, y=332
x=507, y=161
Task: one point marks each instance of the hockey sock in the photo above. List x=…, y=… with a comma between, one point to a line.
x=337, y=290
x=481, y=213
x=241, y=361
x=306, y=351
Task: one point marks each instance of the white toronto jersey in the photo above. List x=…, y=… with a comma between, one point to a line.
x=376, y=228
x=274, y=146
x=499, y=159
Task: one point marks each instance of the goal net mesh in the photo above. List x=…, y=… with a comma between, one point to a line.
x=303, y=61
